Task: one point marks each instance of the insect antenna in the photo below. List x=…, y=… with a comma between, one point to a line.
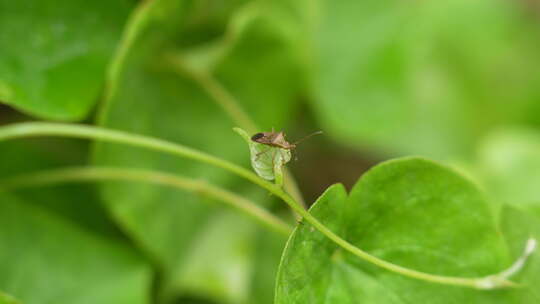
x=293, y=151
x=308, y=136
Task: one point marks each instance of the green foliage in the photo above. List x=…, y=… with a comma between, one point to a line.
x=54, y=54
x=45, y=258
x=426, y=78
x=412, y=212
x=30, y=156
x=152, y=77
x=62, y=237
x=452, y=80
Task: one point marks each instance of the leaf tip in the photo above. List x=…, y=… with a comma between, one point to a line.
x=242, y=133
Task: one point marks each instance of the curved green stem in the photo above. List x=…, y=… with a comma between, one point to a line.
x=33, y=129
x=80, y=131
x=218, y=93
x=104, y=173
x=136, y=22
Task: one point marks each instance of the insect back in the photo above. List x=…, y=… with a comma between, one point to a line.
x=266, y=160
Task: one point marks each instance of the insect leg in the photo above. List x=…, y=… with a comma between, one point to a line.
x=273, y=158
x=261, y=153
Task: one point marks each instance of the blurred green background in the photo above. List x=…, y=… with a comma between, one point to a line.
x=457, y=81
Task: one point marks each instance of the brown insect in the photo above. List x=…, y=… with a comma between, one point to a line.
x=277, y=139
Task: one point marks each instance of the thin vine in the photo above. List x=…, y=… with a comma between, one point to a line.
x=68, y=175
x=33, y=129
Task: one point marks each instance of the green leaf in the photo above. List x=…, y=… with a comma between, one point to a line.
x=266, y=160
x=54, y=54
x=417, y=78
x=45, y=259
x=303, y=274
x=411, y=212
x=155, y=97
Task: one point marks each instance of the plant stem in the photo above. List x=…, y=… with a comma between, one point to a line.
x=223, y=98
x=136, y=22
x=103, y=173
x=31, y=129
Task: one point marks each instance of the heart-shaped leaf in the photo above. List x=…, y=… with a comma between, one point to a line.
x=411, y=212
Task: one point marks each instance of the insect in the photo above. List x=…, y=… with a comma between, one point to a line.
x=277, y=139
